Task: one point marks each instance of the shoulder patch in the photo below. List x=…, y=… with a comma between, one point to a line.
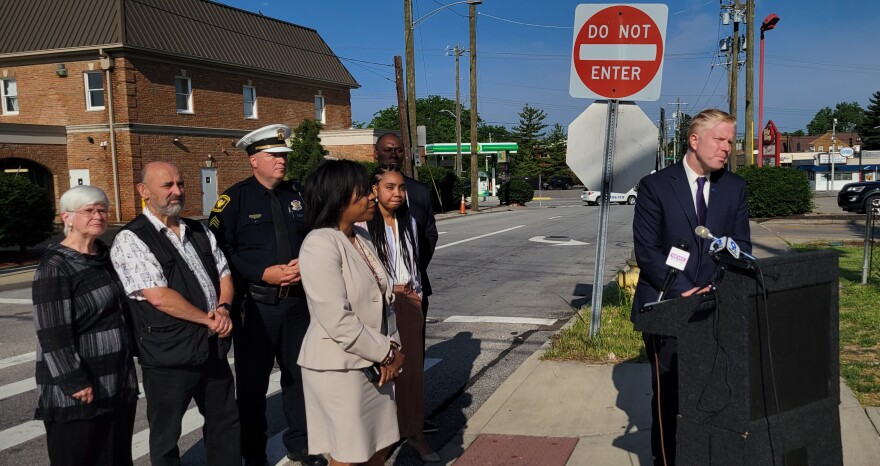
x=221, y=204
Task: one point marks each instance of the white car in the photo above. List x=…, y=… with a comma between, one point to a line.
x=594, y=197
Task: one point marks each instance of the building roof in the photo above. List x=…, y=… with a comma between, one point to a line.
x=194, y=29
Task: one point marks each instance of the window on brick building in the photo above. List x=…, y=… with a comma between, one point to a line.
x=183, y=91
x=94, y=90
x=250, y=102
x=319, y=108
x=9, y=91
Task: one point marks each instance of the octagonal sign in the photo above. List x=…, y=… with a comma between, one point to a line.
x=635, y=146
x=617, y=51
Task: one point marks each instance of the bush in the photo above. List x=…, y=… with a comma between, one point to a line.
x=27, y=211
x=517, y=191
x=443, y=180
x=777, y=191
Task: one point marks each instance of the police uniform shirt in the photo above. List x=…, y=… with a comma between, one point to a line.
x=242, y=222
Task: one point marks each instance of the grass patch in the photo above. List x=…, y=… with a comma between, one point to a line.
x=859, y=329
x=616, y=342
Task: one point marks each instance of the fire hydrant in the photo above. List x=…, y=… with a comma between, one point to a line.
x=628, y=277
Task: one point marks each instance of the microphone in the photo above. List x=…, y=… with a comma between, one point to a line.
x=676, y=260
x=723, y=243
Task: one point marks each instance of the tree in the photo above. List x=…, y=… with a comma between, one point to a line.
x=869, y=130
x=307, y=150
x=849, y=116
x=528, y=133
x=27, y=211
x=432, y=113
x=553, y=151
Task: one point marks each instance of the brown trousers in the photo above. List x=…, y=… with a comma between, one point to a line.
x=410, y=385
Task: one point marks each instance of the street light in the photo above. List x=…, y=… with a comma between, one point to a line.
x=409, y=27
x=768, y=24
x=457, y=116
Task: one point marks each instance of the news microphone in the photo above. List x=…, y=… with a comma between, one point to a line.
x=676, y=260
x=723, y=243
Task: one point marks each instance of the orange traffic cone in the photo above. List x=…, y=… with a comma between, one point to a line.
x=462, y=209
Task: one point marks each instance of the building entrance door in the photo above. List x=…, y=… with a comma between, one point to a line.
x=209, y=189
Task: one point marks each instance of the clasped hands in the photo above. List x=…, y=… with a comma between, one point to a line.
x=393, y=369
x=283, y=274
x=219, y=322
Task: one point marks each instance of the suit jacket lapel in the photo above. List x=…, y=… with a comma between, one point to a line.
x=683, y=193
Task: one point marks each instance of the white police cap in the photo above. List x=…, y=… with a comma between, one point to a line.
x=270, y=138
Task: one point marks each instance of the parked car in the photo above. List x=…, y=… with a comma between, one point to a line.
x=559, y=182
x=854, y=197
x=594, y=197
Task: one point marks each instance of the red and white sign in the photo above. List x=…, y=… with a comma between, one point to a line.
x=617, y=51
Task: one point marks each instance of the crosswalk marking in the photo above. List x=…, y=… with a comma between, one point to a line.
x=21, y=433
x=17, y=388
x=15, y=301
x=500, y=320
x=20, y=359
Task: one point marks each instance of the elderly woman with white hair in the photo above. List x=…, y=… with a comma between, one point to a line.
x=85, y=372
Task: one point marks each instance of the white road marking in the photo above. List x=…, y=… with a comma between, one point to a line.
x=478, y=237
x=500, y=320
x=569, y=242
x=21, y=433
x=16, y=360
x=441, y=232
x=17, y=388
x=15, y=301
x=554, y=218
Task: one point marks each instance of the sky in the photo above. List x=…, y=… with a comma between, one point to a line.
x=819, y=54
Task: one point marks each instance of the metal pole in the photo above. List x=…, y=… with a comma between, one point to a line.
x=604, y=207
x=457, y=115
x=761, y=105
x=750, y=82
x=831, y=150
x=866, y=256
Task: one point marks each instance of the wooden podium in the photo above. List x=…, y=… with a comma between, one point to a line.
x=758, y=381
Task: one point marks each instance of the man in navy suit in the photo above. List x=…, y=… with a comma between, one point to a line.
x=389, y=151
x=672, y=203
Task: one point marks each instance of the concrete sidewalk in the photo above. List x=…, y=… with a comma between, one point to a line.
x=600, y=414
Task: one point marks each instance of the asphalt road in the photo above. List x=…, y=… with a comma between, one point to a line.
x=503, y=282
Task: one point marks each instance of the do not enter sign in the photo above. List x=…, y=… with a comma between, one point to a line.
x=617, y=51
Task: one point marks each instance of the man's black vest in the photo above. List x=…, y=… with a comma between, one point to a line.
x=164, y=340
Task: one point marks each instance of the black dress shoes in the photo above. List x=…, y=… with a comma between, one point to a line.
x=306, y=459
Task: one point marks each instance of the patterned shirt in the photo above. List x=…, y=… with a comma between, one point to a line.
x=139, y=270
x=82, y=338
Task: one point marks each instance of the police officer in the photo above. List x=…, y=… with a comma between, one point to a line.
x=258, y=223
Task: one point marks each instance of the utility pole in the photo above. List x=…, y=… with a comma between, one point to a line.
x=750, y=83
x=457, y=51
x=410, y=89
x=831, y=150
x=734, y=76
x=676, y=124
x=475, y=179
x=401, y=108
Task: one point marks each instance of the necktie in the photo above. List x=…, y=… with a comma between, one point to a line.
x=279, y=222
x=701, y=201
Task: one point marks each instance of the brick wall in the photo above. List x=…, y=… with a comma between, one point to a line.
x=217, y=99
x=357, y=152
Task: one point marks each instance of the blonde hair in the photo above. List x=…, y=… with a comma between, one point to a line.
x=706, y=118
x=79, y=196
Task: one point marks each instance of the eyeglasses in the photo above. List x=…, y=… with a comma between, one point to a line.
x=91, y=211
x=393, y=150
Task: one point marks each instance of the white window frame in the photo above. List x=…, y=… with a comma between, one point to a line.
x=4, y=96
x=90, y=106
x=244, y=97
x=189, y=97
x=320, y=109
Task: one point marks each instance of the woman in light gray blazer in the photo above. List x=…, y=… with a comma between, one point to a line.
x=348, y=292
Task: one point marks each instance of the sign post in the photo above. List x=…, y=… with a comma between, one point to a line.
x=617, y=53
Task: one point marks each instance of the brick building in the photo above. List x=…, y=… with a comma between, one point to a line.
x=119, y=83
